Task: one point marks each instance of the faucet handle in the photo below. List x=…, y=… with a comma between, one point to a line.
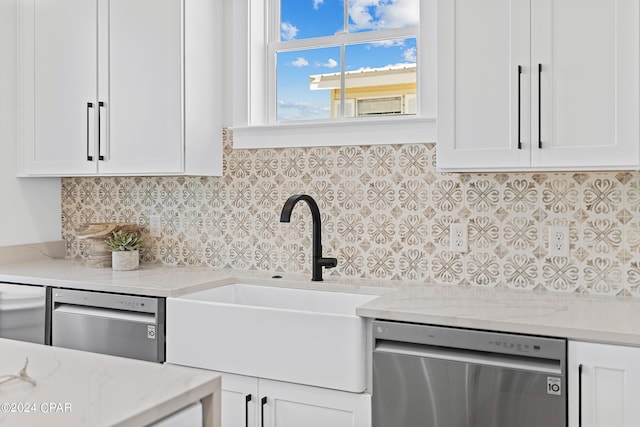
x=328, y=262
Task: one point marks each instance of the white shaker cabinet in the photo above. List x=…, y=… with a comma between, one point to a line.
x=252, y=402
x=604, y=385
x=240, y=401
x=119, y=87
x=540, y=84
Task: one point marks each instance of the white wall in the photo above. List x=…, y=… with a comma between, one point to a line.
x=30, y=209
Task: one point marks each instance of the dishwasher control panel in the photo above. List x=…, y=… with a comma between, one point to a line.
x=467, y=339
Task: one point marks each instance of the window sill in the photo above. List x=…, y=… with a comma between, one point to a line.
x=365, y=132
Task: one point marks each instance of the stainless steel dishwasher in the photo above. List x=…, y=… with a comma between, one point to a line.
x=23, y=314
x=431, y=376
x=120, y=325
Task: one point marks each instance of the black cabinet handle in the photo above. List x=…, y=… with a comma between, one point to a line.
x=89, y=108
x=539, y=105
x=580, y=395
x=247, y=399
x=263, y=402
x=100, y=156
x=519, y=106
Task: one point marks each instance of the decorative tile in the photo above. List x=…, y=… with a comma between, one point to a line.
x=386, y=212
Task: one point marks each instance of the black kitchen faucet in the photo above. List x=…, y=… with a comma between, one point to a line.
x=316, y=257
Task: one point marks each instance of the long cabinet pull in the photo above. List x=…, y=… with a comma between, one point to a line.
x=247, y=399
x=263, y=402
x=100, y=106
x=89, y=108
x=539, y=105
x=580, y=395
x=519, y=105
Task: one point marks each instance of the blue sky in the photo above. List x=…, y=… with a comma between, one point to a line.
x=302, y=19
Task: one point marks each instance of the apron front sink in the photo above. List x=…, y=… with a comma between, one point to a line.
x=304, y=336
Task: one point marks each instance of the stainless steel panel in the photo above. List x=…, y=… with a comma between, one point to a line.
x=106, y=300
x=493, y=342
x=119, y=325
x=107, y=335
x=22, y=312
x=432, y=376
x=412, y=391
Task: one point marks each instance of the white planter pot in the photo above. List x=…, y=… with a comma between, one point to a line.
x=125, y=260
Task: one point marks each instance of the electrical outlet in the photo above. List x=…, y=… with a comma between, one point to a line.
x=559, y=241
x=459, y=238
x=155, y=229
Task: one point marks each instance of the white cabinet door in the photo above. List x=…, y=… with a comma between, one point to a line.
x=245, y=400
x=57, y=71
x=544, y=84
x=294, y=405
x=483, y=84
x=585, y=57
x=120, y=87
x=141, y=86
x=604, y=384
x=240, y=401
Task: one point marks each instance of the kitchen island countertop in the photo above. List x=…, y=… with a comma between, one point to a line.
x=76, y=388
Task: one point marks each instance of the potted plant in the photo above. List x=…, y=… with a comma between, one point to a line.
x=124, y=247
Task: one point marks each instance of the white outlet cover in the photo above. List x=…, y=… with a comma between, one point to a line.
x=559, y=241
x=459, y=238
x=155, y=228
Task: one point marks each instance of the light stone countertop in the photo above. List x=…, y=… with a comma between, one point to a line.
x=576, y=316
x=157, y=280
x=582, y=317
x=75, y=388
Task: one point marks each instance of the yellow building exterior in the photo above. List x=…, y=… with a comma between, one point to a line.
x=373, y=91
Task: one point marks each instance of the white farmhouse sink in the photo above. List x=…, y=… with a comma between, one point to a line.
x=303, y=336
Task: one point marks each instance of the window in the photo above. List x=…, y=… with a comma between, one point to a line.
x=332, y=72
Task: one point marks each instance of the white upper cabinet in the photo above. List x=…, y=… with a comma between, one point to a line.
x=120, y=87
x=140, y=80
x=57, y=85
x=544, y=84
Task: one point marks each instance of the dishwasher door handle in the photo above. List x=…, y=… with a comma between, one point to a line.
x=129, y=316
x=525, y=363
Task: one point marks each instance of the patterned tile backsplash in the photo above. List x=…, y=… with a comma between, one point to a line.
x=386, y=213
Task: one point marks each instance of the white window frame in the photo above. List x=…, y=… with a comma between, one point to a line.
x=247, y=90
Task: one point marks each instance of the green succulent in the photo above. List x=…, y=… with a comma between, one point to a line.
x=122, y=240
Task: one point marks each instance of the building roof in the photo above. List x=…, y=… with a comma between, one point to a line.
x=389, y=75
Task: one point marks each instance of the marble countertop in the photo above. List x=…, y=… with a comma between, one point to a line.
x=75, y=388
x=575, y=316
x=158, y=280
x=149, y=279
x=581, y=317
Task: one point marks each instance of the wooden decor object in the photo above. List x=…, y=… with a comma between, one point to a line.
x=95, y=233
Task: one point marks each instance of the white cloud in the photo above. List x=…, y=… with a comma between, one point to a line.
x=300, y=62
x=288, y=31
x=388, y=43
x=381, y=14
x=317, y=4
x=410, y=54
x=331, y=63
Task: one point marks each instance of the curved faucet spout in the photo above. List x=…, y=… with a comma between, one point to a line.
x=317, y=259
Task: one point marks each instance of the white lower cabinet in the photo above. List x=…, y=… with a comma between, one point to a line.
x=604, y=385
x=252, y=402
